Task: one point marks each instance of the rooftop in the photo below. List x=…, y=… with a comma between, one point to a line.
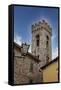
x=56, y=59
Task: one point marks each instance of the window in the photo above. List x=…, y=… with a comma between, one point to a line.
x=47, y=37
x=37, y=40
x=47, y=41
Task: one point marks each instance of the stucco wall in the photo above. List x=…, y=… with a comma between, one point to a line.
x=50, y=73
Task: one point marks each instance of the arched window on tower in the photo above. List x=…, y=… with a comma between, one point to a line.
x=47, y=41
x=47, y=49
x=37, y=40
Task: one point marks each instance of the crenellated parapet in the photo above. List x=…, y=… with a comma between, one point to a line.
x=42, y=25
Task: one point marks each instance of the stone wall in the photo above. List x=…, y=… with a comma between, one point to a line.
x=22, y=73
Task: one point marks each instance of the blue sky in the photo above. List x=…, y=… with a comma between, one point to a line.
x=24, y=17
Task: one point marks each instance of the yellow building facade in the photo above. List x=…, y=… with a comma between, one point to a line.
x=50, y=71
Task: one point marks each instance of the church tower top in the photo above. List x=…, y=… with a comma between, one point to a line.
x=42, y=24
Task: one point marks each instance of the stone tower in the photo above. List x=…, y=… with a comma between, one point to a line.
x=41, y=41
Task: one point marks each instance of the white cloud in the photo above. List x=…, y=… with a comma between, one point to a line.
x=53, y=38
x=18, y=39
x=54, y=53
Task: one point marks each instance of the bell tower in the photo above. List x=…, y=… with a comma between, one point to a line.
x=41, y=41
